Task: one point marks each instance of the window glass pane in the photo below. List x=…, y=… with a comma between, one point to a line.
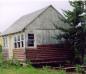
x=18, y=44
x=30, y=36
x=15, y=39
x=15, y=45
x=6, y=42
x=30, y=44
x=22, y=37
x=22, y=43
x=30, y=40
x=18, y=37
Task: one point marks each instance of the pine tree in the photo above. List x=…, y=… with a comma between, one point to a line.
x=75, y=35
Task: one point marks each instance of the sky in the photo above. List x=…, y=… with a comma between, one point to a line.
x=12, y=10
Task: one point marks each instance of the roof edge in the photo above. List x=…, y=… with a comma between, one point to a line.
x=38, y=15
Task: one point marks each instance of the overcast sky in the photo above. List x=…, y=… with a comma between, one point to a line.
x=11, y=10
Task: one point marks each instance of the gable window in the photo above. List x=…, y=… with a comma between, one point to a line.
x=19, y=41
x=5, y=42
x=30, y=39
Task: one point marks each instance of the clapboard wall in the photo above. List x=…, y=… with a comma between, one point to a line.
x=49, y=54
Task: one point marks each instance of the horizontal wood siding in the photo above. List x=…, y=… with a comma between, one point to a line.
x=19, y=54
x=5, y=54
x=48, y=54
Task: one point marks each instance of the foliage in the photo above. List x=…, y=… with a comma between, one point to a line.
x=75, y=34
x=15, y=67
x=11, y=63
x=30, y=71
x=29, y=64
x=78, y=68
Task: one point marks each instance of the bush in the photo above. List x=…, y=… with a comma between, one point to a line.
x=78, y=68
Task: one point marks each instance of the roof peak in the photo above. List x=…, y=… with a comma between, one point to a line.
x=22, y=22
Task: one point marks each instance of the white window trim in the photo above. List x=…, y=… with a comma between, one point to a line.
x=33, y=39
x=19, y=41
x=5, y=42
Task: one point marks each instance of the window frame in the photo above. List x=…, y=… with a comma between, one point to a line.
x=18, y=42
x=5, y=41
x=31, y=38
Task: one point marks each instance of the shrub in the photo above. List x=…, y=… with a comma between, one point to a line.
x=78, y=68
x=29, y=64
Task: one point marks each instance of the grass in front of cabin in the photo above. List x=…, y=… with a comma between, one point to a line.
x=29, y=70
x=10, y=68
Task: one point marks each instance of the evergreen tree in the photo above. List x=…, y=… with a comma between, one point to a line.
x=75, y=35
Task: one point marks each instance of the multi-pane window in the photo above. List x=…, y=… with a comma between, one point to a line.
x=15, y=42
x=5, y=42
x=30, y=39
x=18, y=41
x=22, y=40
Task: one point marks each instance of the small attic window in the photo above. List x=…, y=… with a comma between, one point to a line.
x=30, y=39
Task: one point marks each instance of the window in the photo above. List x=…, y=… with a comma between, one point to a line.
x=5, y=43
x=30, y=39
x=18, y=41
x=15, y=42
x=22, y=40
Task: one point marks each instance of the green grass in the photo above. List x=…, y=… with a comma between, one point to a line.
x=30, y=70
x=8, y=68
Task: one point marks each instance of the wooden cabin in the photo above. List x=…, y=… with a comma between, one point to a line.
x=32, y=38
x=0, y=42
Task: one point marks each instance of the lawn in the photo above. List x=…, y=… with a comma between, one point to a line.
x=28, y=70
x=8, y=68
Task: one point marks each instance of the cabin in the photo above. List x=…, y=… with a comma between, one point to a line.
x=32, y=38
x=0, y=39
x=0, y=42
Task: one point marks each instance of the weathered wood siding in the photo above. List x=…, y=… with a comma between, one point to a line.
x=47, y=19
x=5, y=54
x=19, y=54
x=46, y=54
x=43, y=27
x=47, y=37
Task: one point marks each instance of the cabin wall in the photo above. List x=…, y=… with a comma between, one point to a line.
x=10, y=46
x=19, y=53
x=47, y=37
x=8, y=52
x=1, y=40
x=26, y=38
x=49, y=54
x=46, y=20
x=43, y=27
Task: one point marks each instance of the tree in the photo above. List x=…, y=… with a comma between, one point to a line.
x=75, y=34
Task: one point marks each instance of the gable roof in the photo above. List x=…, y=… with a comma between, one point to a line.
x=25, y=20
